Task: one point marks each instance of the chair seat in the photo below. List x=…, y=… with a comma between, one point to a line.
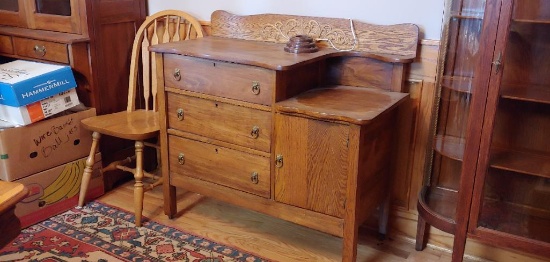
x=135, y=125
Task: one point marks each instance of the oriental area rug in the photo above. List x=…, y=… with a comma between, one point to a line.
x=102, y=233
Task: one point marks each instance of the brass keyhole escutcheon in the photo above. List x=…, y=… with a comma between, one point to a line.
x=179, y=113
x=177, y=74
x=254, y=178
x=279, y=161
x=255, y=133
x=256, y=87
x=39, y=50
x=181, y=159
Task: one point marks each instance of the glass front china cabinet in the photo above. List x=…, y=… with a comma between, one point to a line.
x=54, y=15
x=489, y=171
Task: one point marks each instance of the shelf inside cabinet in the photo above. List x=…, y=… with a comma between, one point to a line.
x=438, y=207
x=468, y=14
x=450, y=146
x=531, y=93
x=532, y=21
x=529, y=163
x=456, y=83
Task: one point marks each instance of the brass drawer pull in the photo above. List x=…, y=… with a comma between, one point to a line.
x=177, y=74
x=255, y=133
x=279, y=161
x=39, y=50
x=179, y=113
x=181, y=159
x=254, y=178
x=256, y=87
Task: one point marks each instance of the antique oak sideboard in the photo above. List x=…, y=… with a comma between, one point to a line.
x=303, y=137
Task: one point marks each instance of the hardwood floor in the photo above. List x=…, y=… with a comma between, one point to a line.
x=269, y=237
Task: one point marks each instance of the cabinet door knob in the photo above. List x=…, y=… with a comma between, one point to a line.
x=181, y=158
x=177, y=74
x=179, y=113
x=39, y=50
x=255, y=132
x=254, y=178
x=256, y=87
x=279, y=161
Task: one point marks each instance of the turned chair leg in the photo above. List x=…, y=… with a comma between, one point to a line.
x=88, y=169
x=138, y=186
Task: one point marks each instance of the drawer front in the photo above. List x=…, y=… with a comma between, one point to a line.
x=6, y=47
x=43, y=50
x=225, y=122
x=235, y=81
x=220, y=165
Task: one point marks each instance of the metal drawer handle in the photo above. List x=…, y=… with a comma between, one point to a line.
x=177, y=74
x=256, y=87
x=179, y=113
x=254, y=178
x=255, y=133
x=39, y=50
x=279, y=161
x=181, y=158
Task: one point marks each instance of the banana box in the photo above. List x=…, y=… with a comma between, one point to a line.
x=56, y=190
x=29, y=149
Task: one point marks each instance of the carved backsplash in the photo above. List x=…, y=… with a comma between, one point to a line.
x=399, y=40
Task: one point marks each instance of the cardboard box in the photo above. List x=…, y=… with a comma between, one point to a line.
x=25, y=82
x=56, y=190
x=37, y=111
x=48, y=143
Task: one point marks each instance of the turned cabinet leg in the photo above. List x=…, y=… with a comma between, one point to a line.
x=421, y=230
x=87, y=175
x=138, y=186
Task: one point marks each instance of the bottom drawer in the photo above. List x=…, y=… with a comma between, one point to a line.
x=220, y=165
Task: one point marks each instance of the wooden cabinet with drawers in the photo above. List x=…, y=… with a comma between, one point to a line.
x=303, y=137
x=94, y=37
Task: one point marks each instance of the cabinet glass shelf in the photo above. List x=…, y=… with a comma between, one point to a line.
x=534, y=93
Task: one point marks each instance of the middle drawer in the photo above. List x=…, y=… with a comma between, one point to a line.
x=221, y=121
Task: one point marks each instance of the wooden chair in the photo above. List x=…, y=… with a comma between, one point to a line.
x=140, y=120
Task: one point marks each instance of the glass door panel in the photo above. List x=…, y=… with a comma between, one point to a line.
x=56, y=15
x=456, y=71
x=516, y=192
x=54, y=7
x=9, y=5
x=12, y=13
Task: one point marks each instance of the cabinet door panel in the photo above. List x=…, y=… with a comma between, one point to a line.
x=515, y=164
x=313, y=173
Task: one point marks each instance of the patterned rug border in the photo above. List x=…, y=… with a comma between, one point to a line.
x=152, y=223
x=106, y=232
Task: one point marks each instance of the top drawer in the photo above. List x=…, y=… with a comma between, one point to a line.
x=235, y=81
x=42, y=50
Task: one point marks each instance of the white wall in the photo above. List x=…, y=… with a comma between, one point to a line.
x=427, y=14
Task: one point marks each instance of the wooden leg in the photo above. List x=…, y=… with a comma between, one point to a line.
x=351, y=233
x=88, y=169
x=421, y=230
x=384, y=217
x=138, y=186
x=459, y=246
